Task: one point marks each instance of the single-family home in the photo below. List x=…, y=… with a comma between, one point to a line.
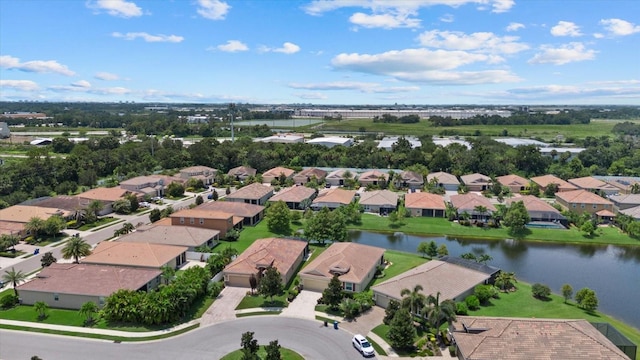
x=277, y=173
x=333, y=198
x=188, y=236
x=380, y=202
x=107, y=196
x=12, y=228
x=354, y=264
x=152, y=185
x=22, y=214
x=425, y=204
x=251, y=213
x=331, y=141
x=582, y=201
x=634, y=212
x=592, y=184
x=476, y=182
x=373, y=178
x=539, y=210
x=69, y=203
x=241, y=173
x=409, y=180
x=254, y=193
x=515, y=183
x=471, y=204
x=285, y=255
x=545, y=180
x=338, y=177
x=445, y=180
x=208, y=219
x=69, y=286
x=295, y=197
x=623, y=202
x=482, y=337
x=624, y=184
x=308, y=174
x=142, y=255
x=452, y=281
x=204, y=173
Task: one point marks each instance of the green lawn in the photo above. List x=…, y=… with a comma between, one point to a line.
x=100, y=222
x=249, y=234
x=400, y=262
x=258, y=301
x=284, y=352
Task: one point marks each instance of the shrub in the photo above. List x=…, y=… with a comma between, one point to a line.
x=215, y=288
x=472, y=302
x=540, y=291
x=461, y=308
x=8, y=301
x=484, y=293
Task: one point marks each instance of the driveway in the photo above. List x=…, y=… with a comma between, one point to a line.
x=364, y=323
x=304, y=305
x=224, y=308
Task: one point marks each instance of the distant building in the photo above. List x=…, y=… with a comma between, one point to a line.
x=283, y=139
x=331, y=141
x=4, y=131
x=388, y=142
x=521, y=142
x=555, y=152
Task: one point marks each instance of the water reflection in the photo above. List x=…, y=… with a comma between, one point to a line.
x=513, y=249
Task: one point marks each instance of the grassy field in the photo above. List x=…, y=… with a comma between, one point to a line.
x=100, y=222
x=400, y=262
x=285, y=353
x=258, y=301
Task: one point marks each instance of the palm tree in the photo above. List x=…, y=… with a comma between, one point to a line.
x=10, y=240
x=41, y=308
x=435, y=311
x=127, y=228
x=75, y=248
x=15, y=278
x=480, y=209
x=95, y=206
x=505, y=280
x=34, y=226
x=168, y=274
x=88, y=310
x=413, y=300
x=451, y=212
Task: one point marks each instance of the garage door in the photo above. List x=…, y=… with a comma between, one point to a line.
x=314, y=284
x=381, y=300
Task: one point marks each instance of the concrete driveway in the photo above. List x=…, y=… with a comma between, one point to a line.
x=224, y=308
x=304, y=305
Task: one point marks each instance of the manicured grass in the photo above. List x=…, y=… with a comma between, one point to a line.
x=376, y=347
x=327, y=310
x=322, y=318
x=286, y=354
x=258, y=301
x=11, y=254
x=100, y=222
x=258, y=313
x=400, y=262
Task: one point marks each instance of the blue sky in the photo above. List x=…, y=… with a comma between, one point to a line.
x=322, y=51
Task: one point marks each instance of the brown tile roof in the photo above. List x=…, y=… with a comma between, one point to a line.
x=630, y=199
x=475, y=179
x=336, y=195
x=512, y=180
x=581, y=197
x=411, y=177
x=170, y=235
x=339, y=174
x=152, y=179
x=163, y=222
x=104, y=194
x=11, y=228
x=605, y=213
x=64, y=202
x=444, y=178
x=198, y=169
x=242, y=171
x=293, y=194
x=133, y=254
x=356, y=259
x=279, y=253
x=373, y=175
x=591, y=183
x=201, y=213
x=544, y=181
x=424, y=200
x=87, y=279
x=277, y=171
x=540, y=339
x=23, y=213
x=311, y=172
x=379, y=198
x=532, y=203
x=435, y=276
x=634, y=212
x=233, y=207
x=468, y=202
x=253, y=191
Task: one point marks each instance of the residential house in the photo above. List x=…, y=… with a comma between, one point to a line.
x=308, y=174
x=12, y=228
x=331, y=141
x=333, y=198
x=69, y=286
x=582, y=201
x=107, y=196
x=634, y=212
x=624, y=184
x=142, y=255
x=255, y=193
x=285, y=255
x=409, y=180
x=623, y=202
x=471, y=204
x=207, y=219
x=515, y=183
x=592, y=184
x=425, y=204
x=452, y=281
x=277, y=173
x=72, y=204
x=445, y=180
x=373, y=178
x=295, y=197
x=250, y=213
x=338, y=177
x=204, y=173
x=152, y=185
x=380, y=202
x=187, y=236
x=241, y=173
x=476, y=182
x=354, y=264
x=495, y=338
x=22, y=214
x=539, y=210
x=545, y=180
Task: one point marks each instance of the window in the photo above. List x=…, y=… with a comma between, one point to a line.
x=201, y=221
x=582, y=206
x=192, y=221
x=56, y=297
x=595, y=206
x=573, y=206
x=349, y=286
x=101, y=300
x=181, y=220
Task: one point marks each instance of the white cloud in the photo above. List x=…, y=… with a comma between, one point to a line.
x=582, y=91
x=566, y=28
x=447, y=18
x=598, y=35
x=121, y=8
x=213, y=9
x=485, y=42
x=106, y=76
x=500, y=6
x=564, y=54
x=287, y=48
x=148, y=37
x=37, y=66
x=364, y=87
x=311, y=96
x=233, y=46
x=514, y=26
x=81, y=84
x=618, y=27
x=318, y=7
x=385, y=21
x=22, y=85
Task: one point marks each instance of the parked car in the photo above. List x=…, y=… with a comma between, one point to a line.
x=363, y=346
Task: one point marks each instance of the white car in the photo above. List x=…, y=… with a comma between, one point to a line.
x=363, y=346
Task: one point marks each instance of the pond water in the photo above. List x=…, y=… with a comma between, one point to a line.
x=612, y=271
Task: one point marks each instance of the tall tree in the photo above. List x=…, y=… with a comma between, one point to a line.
x=279, y=218
x=76, y=248
x=413, y=300
x=249, y=346
x=390, y=311
x=273, y=351
x=332, y=295
x=15, y=278
x=271, y=283
x=253, y=283
x=587, y=299
x=402, y=333
x=516, y=217
x=435, y=312
x=423, y=248
x=567, y=292
x=34, y=226
x=95, y=207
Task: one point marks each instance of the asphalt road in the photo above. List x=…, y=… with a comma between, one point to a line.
x=308, y=338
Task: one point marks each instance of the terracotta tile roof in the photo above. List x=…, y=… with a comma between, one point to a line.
x=163, y=222
x=581, y=197
x=591, y=183
x=546, y=180
x=104, y=194
x=444, y=178
x=336, y=195
x=87, y=279
x=605, y=213
x=475, y=179
x=242, y=171
x=293, y=194
x=23, y=213
x=152, y=179
x=424, y=200
x=277, y=171
x=468, y=202
x=133, y=254
x=253, y=191
x=198, y=170
x=532, y=203
x=339, y=174
x=64, y=202
x=435, y=276
x=356, y=259
x=311, y=172
x=170, y=235
x=198, y=212
x=279, y=253
x=233, y=207
x=384, y=198
x=411, y=177
x=512, y=180
x=11, y=228
x=540, y=339
x=373, y=175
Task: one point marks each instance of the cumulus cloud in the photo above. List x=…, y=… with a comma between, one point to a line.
x=311, y=96
x=148, y=37
x=287, y=48
x=485, y=42
x=514, y=26
x=213, y=9
x=21, y=85
x=232, y=46
x=564, y=54
x=385, y=21
x=566, y=28
x=318, y=7
x=364, y=87
x=447, y=18
x=555, y=91
x=618, y=27
x=120, y=8
x=37, y=66
x=81, y=84
x=106, y=76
